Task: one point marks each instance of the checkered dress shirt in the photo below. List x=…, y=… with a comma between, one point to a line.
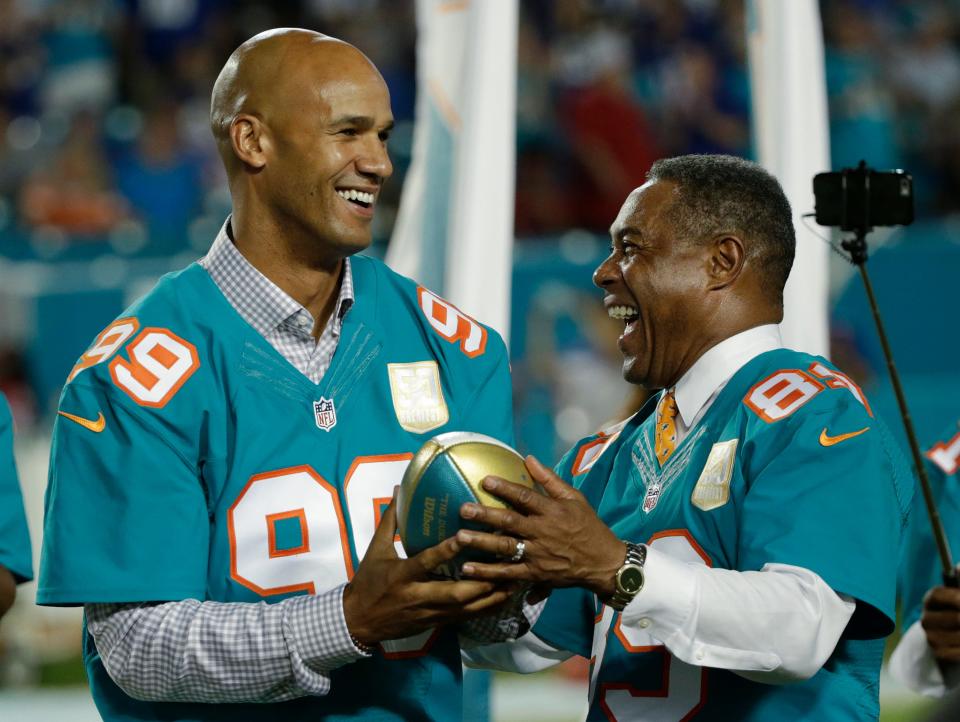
x=284, y=323
x=204, y=651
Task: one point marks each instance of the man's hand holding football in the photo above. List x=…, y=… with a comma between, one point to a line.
x=391, y=598
x=564, y=542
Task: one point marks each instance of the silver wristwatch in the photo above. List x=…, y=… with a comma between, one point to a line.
x=629, y=579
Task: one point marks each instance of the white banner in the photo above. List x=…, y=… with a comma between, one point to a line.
x=791, y=134
x=454, y=230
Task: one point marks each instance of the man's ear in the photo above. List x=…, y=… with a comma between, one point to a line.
x=726, y=261
x=248, y=138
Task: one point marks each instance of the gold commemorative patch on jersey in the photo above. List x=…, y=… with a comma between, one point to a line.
x=417, y=396
x=713, y=487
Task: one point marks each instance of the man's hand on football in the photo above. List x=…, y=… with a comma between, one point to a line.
x=941, y=623
x=391, y=598
x=565, y=542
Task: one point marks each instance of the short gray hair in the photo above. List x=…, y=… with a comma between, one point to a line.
x=725, y=194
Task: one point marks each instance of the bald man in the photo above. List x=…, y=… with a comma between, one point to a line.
x=226, y=451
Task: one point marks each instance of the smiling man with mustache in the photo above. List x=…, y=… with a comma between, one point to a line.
x=729, y=552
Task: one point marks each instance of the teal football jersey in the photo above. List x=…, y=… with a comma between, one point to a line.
x=787, y=466
x=15, y=552
x=198, y=463
x=920, y=567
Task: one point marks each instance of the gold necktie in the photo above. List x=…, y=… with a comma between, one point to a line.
x=665, y=435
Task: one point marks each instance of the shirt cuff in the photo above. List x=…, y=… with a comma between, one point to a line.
x=667, y=600
x=318, y=637
x=913, y=664
x=512, y=622
x=667, y=608
x=525, y=655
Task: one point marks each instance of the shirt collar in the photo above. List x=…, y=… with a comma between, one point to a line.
x=715, y=367
x=260, y=302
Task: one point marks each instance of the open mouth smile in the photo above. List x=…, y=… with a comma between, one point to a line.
x=623, y=313
x=363, y=199
x=629, y=315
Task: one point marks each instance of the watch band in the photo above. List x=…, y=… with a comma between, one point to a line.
x=631, y=569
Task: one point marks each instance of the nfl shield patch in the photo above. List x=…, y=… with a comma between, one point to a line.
x=652, y=496
x=325, y=413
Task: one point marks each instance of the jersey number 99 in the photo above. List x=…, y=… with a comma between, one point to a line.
x=159, y=362
x=288, y=532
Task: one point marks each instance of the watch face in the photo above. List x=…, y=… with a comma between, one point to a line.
x=631, y=579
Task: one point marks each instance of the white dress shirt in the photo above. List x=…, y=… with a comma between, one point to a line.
x=913, y=664
x=774, y=625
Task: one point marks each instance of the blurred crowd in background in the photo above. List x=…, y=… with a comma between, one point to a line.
x=105, y=149
x=103, y=103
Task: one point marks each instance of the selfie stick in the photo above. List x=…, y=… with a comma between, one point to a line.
x=857, y=247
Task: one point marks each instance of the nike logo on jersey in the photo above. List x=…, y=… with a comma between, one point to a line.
x=826, y=440
x=96, y=426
